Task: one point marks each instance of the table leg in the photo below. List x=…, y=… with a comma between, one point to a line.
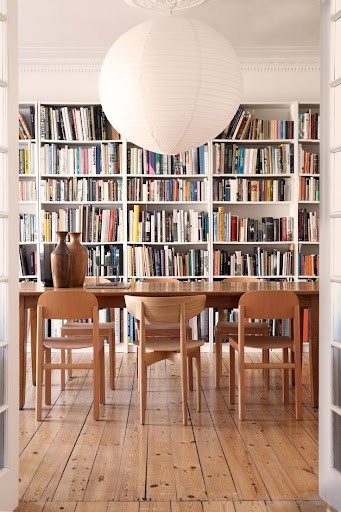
x=314, y=348
x=33, y=338
x=22, y=352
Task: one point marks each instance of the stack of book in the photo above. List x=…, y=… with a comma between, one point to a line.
x=166, y=190
x=261, y=262
x=163, y=226
x=233, y=159
x=234, y=190
x=231, y=228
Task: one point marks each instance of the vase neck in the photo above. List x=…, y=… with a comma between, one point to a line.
x=61, y=236
x=75, y=237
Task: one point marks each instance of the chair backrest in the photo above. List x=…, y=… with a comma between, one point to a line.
x=267, y=304
x=165, y=310
x=68, y=304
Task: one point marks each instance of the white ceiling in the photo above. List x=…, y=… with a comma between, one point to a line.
x=86, y=28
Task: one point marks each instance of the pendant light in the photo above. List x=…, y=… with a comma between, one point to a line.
x=170, y=84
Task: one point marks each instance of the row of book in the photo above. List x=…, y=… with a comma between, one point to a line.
x=104, y=158
x=308, y=226
x=233, y=159
x=96, y=224
x=309, y=189
x=231, y=228
x=166, y=261
x=27, y=227
x=309, y=125
x=309, y=163
x=166, y=190
x=308, y=264
x=261, y=262
x=235, y=190
x=65, y=219
x=27, y=262
x=27, y=191
x=245, y=125
x=142, y=161
x=107, y=260
x=81, y=189
x=162, y=226
x=26, y=123
x=27, y=160
x=75, y=123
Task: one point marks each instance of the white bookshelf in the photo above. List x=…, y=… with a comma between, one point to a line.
x=28, y=170
x=132, y=169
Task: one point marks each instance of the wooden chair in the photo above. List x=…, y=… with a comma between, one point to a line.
x=169, y=331
x=68, y=305
x=267, y=304
x=171, y=311
x=106, y=332
x=225, y=328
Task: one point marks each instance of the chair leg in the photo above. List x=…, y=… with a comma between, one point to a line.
x=190, y=372
x=218, y=360
x=266, y=371
x=69, y=360
x=298, y=388
x=184, y=385
x=142, y=387
x=102, y=374
x=48, y=377
x=96, y=382
x=39, y=381
x=33, y=322
x=198, y=378
x=62, y=372
x=241, y=386
x=232, y=375
x=292, y=360
x=285, y=377
x=112, y=360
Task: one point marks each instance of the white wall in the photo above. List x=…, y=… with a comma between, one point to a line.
x=263, y=81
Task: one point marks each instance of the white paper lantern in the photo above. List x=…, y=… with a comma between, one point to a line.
x=170, y=84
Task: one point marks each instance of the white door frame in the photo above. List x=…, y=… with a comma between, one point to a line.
x=9, y=344
x=330, y=257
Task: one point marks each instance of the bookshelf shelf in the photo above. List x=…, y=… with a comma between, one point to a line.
x=250, y=202
x=291, y=276
x=100, y=176
x=270, y=243
x=255, y=141
x=254, y=175
x=168, y=176
x=80, y=203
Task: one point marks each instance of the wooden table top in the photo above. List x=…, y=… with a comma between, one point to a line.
x=216, y=288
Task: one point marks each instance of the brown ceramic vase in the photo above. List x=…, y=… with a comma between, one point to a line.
x=60, y=262
x=79, y=261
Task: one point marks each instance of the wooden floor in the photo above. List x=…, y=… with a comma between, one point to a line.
x=267, y=463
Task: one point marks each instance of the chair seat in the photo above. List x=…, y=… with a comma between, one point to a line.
x=259, y=328
x=170, y=344
x=264, y=342
x=68, y=343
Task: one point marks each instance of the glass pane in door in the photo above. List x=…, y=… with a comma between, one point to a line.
x=2, y=439
x=336, y=361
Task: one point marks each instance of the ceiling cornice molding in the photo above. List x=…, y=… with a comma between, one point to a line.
x=89, y=60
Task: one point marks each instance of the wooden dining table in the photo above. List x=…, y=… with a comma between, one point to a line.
x=218, y=294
